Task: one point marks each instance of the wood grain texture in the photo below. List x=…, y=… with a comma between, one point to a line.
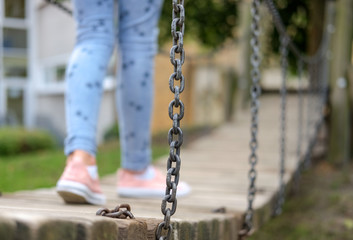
x=216, y=167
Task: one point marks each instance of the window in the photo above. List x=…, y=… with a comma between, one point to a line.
x=15, y=106
x=15, y=26
x=14, y=38
x=60, y=73
x=55, y=74
x=15, y=67
x=15, y=52
x=15, y=9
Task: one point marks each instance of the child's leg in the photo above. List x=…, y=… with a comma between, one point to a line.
x=86, y=71
x=138, y=32
x=84, y=77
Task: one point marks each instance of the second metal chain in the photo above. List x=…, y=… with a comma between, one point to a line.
x=300, y=124
x=284, y=66
x=175, y=134
x=255, y=93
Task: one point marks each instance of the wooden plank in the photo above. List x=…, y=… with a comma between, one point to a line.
x=215, y=166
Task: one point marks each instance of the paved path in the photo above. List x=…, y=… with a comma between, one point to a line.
x=216, y=166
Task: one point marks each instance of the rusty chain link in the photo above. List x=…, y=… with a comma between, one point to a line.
x=255, y=93
x=117, y=212
x=175, y=134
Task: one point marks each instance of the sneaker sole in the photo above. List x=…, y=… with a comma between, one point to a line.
x=73, y=192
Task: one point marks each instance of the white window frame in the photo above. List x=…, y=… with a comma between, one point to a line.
x=24, y=84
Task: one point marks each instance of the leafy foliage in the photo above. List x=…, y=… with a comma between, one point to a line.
x=19, y=140
x=210, y=22
x=295, y=16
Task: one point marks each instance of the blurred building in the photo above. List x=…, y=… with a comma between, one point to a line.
x=37, y=39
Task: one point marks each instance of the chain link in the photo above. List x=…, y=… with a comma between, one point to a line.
x=322, y=91
x=284, y=67
x=309, y=104
x=255, y=93
x=317, y=92
x=116, y=212
x=300, y=124
x=175, y=134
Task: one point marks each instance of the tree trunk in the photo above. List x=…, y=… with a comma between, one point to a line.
x=316, y=25
x=340, y=126
x=244, y=81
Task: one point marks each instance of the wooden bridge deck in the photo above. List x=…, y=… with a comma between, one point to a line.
x=216, y=167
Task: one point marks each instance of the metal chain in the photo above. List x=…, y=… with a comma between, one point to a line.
x=320, y=90
x=60, y=5
x=322, y=95
x=320, y=99
x=175, y=134
x=316, y=99
x=308, y=118
x=255, y=93
x=308, y=122
x=316, y=94
x=314, y=111
x=284, y=66
x=116, y=212
x=300, y=123
x=329, y=30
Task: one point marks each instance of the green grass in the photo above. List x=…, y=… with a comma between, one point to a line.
x=42, y=169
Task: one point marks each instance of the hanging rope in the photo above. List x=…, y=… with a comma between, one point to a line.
x=175, y=134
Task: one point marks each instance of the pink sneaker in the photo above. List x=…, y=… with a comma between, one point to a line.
x=77, y=186
x=137, y=186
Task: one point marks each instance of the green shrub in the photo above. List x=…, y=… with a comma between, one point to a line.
x=112, y=133
x=20, y=140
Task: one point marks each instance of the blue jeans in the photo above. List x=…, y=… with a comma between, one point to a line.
x=136, y=37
